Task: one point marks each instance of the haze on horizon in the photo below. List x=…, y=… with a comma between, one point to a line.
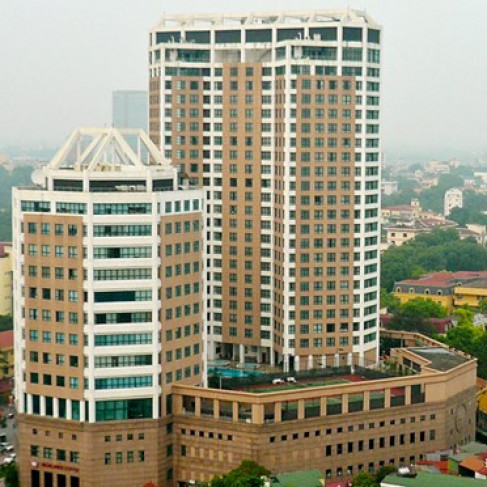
x=60, y=62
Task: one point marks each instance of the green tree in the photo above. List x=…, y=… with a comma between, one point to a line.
x=6, y=322
x=389, y=301
x=436, y=251
x=415, y=315
x=364, y=479
x=425, y=308
x=383, y=472
x=11, y=472
x=464, y=316
x=247, y=474
x=464, y=337
x=482, y=307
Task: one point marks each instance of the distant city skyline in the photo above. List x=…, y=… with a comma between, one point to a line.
x=67, y=60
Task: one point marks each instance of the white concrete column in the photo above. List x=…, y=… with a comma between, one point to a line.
x=55, y=407
x=349, y=359
x=68, y=409
x=310, y=362
x=82, y=416
x=323, y=361
x=30, y=404
x=272, y=360
x=43, y=405
x=286, y=362
x=337, y=360
x=296, y=363
x=91, y=405
x=211, y=350
x=241, y=353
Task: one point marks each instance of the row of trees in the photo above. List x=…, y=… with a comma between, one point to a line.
x=435, y=251
x=249, y=474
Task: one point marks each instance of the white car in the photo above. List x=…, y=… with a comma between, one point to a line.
x=277, y=381
x=10, y=459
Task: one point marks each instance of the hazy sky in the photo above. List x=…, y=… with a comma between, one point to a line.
x=60, y=60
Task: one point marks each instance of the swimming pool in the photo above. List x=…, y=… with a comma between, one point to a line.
x=232, y=373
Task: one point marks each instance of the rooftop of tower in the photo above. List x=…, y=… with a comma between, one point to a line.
x=107, y=160
x=108, y=149
x=300, y=17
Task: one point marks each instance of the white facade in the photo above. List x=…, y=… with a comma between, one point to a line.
x=453, y=199
x=98, y=178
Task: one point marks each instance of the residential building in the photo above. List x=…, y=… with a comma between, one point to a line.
x=399, y=233
x=450, y=289
x=453, y=199
x=277, y=116
x=109, y=311
x=5, y=279
x=130, y=109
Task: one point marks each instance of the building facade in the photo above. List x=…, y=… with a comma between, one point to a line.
x=277, y=117
x=450, y=289
x=108, y=286
x=339, y=429
x=453, y=199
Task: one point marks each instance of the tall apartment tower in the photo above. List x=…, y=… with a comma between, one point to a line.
x=276, y=116
x=108, y=311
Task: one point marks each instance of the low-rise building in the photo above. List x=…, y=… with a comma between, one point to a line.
x=453, y=199
x=400, y=232
x=450, y=289
x=355, y=423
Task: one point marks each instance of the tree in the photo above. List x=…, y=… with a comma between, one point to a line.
x=464, y=337
x=247, y=474
x=482, y=307
x=415, y=315
x=435, y=251
x=6, y=322
x=425, y=308
x=12, y=475
x=383, y=472
x=364, y=479
x=389, y=301
x=464, y=316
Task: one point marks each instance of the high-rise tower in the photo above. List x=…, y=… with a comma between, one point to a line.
x=108, y=310
x=276, y=116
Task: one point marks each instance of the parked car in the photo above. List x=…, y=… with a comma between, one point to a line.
x=10, y=459
x=277, y=381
